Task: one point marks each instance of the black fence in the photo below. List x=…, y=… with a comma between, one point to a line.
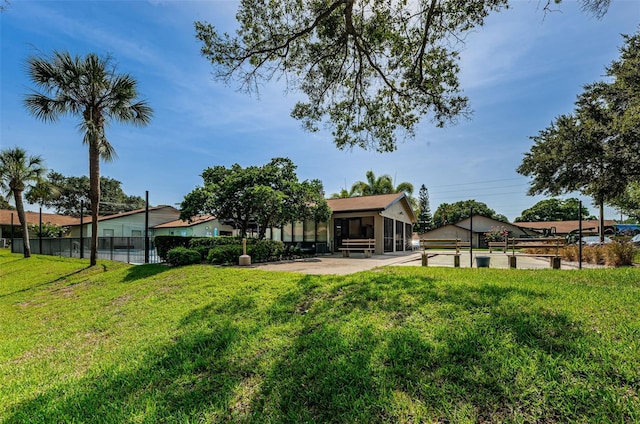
x=122, y=249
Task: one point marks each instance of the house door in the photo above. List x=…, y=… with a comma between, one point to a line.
x=340, y=231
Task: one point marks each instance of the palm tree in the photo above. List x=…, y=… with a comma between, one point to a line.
x=343, y=194
x=381, y=185
x=91, y=89
x=17, y=171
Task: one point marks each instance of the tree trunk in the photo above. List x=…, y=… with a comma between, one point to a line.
x=94, y=196
x=17, y=195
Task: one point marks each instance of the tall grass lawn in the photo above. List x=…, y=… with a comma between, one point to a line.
x=118, y=343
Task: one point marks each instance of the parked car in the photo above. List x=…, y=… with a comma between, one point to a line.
x=636, y=239
x=594, y=240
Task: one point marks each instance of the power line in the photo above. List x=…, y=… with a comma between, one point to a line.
x=477, y=182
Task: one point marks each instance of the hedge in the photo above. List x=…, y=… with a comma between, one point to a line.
x=259, y=250
x=165, y=243
x=179, y=256
x=226, y=249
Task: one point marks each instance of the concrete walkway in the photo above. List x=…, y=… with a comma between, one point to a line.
x=336, y=264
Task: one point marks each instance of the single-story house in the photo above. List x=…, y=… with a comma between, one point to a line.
x=33, y=218
x=387, y=218
x=126, y=224
x=481, y=224
x=202, y=226
x=564, y=228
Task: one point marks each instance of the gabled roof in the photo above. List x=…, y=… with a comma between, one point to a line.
x=374, y=203
x=378, y=202
x=565, y=227
x=88, y=220
x=179, y=223
x=34, y=218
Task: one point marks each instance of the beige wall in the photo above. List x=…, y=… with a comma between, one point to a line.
x=448, y=232
x=397, y=212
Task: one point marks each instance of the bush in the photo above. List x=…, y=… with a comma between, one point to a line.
x=165, y=243
x=225, y=254
x=210, y=242
x=619, y=253
x=570, y=253
x=259, y=250
x=179, y=256
x=593, y=254
x=204, y=244
x=266, y=250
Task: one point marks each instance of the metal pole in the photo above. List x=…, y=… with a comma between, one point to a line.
x=40, y=233
x=81, y=229
x=12, y=243
x=146, y=227
x=471, y=237
x=580, y=234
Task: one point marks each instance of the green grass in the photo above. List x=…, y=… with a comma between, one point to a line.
x=119, y=343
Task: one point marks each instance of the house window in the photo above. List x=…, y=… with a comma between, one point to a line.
x=408, y=233
x=297, y=231
x=136, y=233
x=321, y=232
x=399, y=236
x=108, y=232
x=309, y=230
x=286, y=233
x=388, y=234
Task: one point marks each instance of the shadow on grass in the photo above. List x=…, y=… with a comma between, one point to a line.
x=333, y=362
x=45, y=283
x=138, y=272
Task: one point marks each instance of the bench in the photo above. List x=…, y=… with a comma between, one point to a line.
x=364, y=245
x=443, y=244
x=548, y=243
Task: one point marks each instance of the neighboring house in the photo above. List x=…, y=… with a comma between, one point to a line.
x=126, y=224
x=33, y=218
x=202, y=226
x=387, y=218
x=481, y=225
x=564, y=228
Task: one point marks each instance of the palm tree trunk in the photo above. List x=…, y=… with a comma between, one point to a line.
x=94, y=197
x=17, y=195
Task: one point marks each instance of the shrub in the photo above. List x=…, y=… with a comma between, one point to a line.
x=165, y=243
x=179, y=256
x=210, y=242
x=570, y=253
x=266, y=250
x=225, y=254
x=619, y=253
x=593, y=254
x=204, y=244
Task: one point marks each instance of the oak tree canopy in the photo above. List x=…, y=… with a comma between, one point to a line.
x=370, y=69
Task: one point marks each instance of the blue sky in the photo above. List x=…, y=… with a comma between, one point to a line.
x=520, y=71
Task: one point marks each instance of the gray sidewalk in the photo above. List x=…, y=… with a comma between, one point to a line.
x=336, y=264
